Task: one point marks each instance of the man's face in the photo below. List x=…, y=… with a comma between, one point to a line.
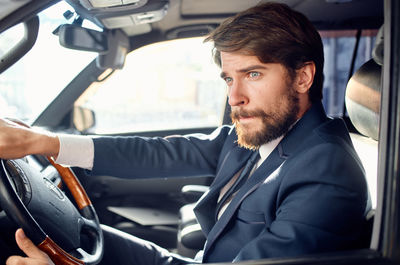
x=262, y=97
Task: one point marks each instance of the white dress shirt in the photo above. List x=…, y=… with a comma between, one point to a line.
x=266, y=149
x=76, y=151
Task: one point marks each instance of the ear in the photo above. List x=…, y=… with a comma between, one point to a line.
x=305, y=77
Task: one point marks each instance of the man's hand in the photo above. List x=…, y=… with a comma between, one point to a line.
x=17, y=140
x=35, y=255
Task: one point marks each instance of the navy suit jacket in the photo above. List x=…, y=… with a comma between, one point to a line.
x=310, y=195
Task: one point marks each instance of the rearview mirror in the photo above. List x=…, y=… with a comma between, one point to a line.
x=112, y=45
x=84, y=39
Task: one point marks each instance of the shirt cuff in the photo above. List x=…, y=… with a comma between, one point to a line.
x=76, y=151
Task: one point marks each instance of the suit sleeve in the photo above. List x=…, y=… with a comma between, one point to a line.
x=320, y=206
x=157, y=157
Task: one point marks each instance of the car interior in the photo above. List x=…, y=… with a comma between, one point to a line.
x=161, y=209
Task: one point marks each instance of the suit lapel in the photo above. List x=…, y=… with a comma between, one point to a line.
x=268, y=166
x=232, y=163
x=205, y=208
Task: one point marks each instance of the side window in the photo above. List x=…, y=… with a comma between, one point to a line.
x=24, y=93
x=338, y=52
x=169, y=85
x=10, y=38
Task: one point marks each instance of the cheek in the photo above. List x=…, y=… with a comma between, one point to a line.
x=270, y=90
x=258, y=89
x=264, y=95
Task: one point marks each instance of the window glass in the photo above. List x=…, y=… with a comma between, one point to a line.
x=10, y=38
x=338, y=52
x=28, y=86
x=163, y=86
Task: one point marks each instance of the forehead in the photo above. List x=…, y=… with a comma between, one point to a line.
x=232, y=63
x=232, y=60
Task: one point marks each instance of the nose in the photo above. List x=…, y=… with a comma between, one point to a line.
x=236, y=95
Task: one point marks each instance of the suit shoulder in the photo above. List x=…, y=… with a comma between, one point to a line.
x=333, y=129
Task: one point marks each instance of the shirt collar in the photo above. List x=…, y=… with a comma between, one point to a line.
x=266, y=149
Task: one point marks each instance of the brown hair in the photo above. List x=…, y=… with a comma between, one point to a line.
x=275, y=34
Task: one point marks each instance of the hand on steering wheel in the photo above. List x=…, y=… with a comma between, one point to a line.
x=35, y=256
x=34, y=203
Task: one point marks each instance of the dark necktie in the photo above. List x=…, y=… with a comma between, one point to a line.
x=244, y=175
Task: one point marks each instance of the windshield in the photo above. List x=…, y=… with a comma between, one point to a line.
x=182, y=90
x=33, y=82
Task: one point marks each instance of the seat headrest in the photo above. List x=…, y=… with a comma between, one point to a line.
x=363, y=92
x=363, y=99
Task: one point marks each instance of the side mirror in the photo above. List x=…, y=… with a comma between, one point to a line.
x=84, y=39
x=83, y=118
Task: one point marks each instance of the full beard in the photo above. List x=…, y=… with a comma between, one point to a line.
x=274, y=124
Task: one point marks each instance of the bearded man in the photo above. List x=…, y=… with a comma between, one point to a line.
x=287, y=179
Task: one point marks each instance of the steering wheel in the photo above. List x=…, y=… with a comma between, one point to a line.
x=36, y=204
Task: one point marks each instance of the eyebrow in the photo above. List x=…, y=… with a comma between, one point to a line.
x=245, y=70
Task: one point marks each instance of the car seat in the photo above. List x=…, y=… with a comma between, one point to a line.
x=190, y=237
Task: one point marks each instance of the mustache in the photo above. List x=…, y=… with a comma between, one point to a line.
x=236, y=114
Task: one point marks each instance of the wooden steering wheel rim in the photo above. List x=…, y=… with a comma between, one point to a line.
x=75, y=187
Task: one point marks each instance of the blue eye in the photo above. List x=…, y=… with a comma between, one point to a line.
x=228, y=79
x=254, y=74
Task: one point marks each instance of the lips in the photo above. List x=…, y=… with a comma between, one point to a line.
x=243, y=114
x=246, y=117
